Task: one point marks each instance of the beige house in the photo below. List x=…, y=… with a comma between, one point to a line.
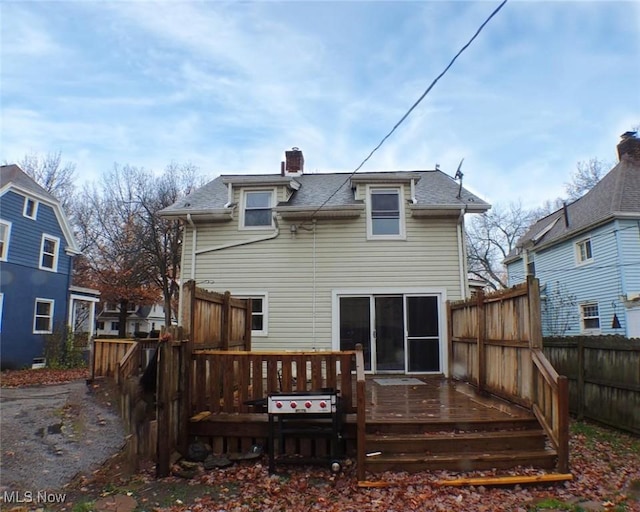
x=331, y=260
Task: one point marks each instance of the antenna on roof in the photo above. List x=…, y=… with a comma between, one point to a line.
x=458, y=176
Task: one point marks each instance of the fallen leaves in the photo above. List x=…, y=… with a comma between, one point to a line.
x=40, y=377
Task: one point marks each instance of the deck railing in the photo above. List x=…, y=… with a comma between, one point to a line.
x=361, y=414
x=551, y=405
x=495, y=343
x=227, y=381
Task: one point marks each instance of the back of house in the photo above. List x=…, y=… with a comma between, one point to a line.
x=333, y=259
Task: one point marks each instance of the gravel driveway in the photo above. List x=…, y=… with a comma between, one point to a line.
x=49, y=434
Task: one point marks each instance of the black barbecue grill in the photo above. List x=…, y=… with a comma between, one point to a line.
x=309, y=414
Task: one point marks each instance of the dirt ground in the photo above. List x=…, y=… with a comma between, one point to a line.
x=52, y=434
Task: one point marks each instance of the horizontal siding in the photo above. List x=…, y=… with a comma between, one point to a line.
x=284, y=267
x=598, y=281
x=630, y=247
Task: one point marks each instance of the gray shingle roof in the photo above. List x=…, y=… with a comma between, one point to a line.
x=617, y=193
x=433, y=188
x=13, y=174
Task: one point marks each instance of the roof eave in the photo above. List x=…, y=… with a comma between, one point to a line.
x=210, y=215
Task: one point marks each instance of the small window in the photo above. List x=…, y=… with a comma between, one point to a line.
x=385, y=213
x=258, y=209
x=49, y=253
x=43, y=317
x=131, y=307
x=30, y=208
x=259, y=313
x=5, y=232
x=100, y=326
x=590, y=317
x=115, y=326
x=583, y=251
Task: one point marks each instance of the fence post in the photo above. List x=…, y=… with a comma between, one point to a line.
x=163, y=396
x=247, y=324
x=226, y=320
x=482, y=325
x=188, y=307
x=449, y=340
x=563, y=424
x=535, y=315
x=580, y=379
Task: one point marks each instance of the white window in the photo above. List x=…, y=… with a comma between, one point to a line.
x=583, y=251
x=257, y=211
x=5, y=233
x=115, y=326
x=590, y=317
x=43, y=316
x=30, y=208
x=259, y=313
x=100, y=326
x=385, y=218
x=49, y=253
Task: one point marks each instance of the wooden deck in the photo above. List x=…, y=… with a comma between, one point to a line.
x=401, y=398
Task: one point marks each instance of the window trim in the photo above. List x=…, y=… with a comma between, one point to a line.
x=578, y=251
x=28, y=200
x=1, y=309
x=245, y=194
x=264, y=296
x=54, y=267
x=4, y=253
x=590, y=330
x=52, y=303
x=371, y=189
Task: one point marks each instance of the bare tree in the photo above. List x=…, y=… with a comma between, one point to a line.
x=559, y=309
x=587, y=174
x=491, y=237
x=52, y=175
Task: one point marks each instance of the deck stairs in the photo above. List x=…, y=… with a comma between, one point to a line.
x=403, y=444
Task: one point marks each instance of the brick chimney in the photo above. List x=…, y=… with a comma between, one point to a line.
x=294, y=162
x=629, y=146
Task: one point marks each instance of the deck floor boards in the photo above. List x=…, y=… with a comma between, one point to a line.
x=437, y=400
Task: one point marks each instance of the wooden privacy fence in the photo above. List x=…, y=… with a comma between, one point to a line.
x=120, y=358
x=214, y=320
x=604, y=377
x=495, y=343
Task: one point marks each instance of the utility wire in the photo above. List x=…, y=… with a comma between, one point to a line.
x=412, y=108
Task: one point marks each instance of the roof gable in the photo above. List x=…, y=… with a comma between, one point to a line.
x=13, y=178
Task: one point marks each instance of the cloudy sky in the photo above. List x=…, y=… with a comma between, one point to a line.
x=230, y=86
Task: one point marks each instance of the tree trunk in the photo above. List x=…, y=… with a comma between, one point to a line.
x=122, y=318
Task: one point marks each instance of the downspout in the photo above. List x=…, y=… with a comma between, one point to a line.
x=313, y=299
x=462, y=255
x=194, y=241
x=237, y=244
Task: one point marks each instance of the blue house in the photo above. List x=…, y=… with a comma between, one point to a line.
x=587, y=255
x=37, y=248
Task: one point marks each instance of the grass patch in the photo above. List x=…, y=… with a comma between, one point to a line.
x=620, y=442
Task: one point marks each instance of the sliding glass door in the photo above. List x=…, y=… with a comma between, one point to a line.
x=399, y=333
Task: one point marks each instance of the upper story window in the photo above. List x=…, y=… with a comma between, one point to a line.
x=5, y=232
x=257, y=210
x=43, y=317
x=49, y=253
x=590, y=316
x=385, y=217
x=583, y=251
x=30, y=208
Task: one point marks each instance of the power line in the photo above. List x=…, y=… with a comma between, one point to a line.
x=412, y=108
